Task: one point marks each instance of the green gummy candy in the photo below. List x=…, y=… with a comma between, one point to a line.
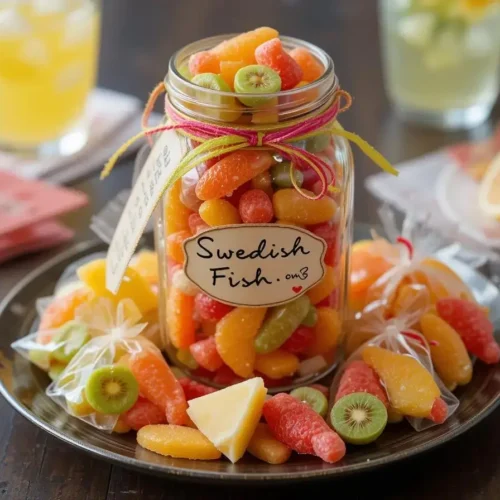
x=70, y=338
x=317, y=143
x=280, y=175
x=311, y=317
x=280, y=324
x=40, y=358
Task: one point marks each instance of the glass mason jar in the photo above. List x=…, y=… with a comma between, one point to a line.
x=441, y=59
x=253, y=275
x=48, y=62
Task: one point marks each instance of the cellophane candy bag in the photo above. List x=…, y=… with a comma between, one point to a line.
x=400, y=356
x=382, y=268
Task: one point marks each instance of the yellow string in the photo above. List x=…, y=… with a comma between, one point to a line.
x=212, y=148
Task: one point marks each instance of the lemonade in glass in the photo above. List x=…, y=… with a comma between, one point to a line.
x=48, y=59
x=442, y=59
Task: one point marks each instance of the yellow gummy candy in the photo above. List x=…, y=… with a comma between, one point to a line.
x=266, y=447
x=327, y=332
x=324, y=288
x=291, y=206
x=219, y=213
x=177, y=441
x=134, y=286
x=277, y=364
x=234, y=338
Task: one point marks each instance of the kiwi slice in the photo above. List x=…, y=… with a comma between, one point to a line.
x=314, y=398
x=70, y=338
x=219, y=107
x=280, y=175
x=112, y=389
x=256, y=79
x=359, y=418
x=311, y=317
x=318, y=143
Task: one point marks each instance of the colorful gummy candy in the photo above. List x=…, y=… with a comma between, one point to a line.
x=299, y=427
x=473, y=326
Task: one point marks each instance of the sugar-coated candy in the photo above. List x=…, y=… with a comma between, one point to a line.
x=180, y=321
x=312, y=69
x=299, y=427
x=448, y=352
x=300, y=340
x=211, y=309
x=235, y=336
x=280, y=324
x=228, y=70
x=133, y=286
x=185, y=357
x=219, y=213
x=266, y=447
x=176, y=213
x=231, y=172
x=197, y=224
x=277, y=364
x=206, y=355
x=60, y=311
x=175, y=249
x=327, y=332
x=411, y=388
x=281, y=175
x=324, y=288
x=143, y=413
x=183, y=283
x=328, y=232
x=242, y=47
x=193, y=389
x=472, y=324
x=359, y=377
x=256, y=207
x=178, y=442
x=273, y=55
x=204, y=62
x=158, y=384
x=290, y=205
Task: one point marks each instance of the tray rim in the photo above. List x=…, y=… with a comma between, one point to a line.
x=181, y=473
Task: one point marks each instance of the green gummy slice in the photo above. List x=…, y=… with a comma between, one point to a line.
x=280, y=324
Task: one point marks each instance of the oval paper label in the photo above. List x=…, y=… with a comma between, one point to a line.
x=256, y=265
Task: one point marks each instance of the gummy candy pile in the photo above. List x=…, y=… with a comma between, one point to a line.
x=411, y=339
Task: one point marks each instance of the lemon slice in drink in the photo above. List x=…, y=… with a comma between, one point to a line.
x=489, y=191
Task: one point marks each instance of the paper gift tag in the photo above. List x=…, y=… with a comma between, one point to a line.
x=152, y=182
x=254, y=265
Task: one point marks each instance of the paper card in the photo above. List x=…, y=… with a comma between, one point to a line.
x=24, y=202
x=150, y=185
x=257, y=265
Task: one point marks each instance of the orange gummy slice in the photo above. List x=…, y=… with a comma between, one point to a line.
x=158, y=384
x=176, y=213
x=235, y=336
x=228, y=70
x=411, y=388
x=180, y=321
x=60, y=311
x=231, y=172
x=242, y=47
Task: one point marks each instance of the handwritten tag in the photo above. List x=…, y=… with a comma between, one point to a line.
x=254, y=265
x=150, y=185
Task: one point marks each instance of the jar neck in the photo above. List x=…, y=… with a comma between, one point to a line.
x=224, y=107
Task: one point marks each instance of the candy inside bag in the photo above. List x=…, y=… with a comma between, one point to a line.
x=408, y=258
x=97, y=385
x=399, y=359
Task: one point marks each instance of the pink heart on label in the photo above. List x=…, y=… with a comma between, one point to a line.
x=296, y=289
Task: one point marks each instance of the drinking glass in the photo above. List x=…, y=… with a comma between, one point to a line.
x=441, y=59
x=48, y=59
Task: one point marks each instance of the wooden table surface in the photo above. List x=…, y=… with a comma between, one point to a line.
x=138, y=38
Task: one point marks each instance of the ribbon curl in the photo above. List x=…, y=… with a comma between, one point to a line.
x=215, y=140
